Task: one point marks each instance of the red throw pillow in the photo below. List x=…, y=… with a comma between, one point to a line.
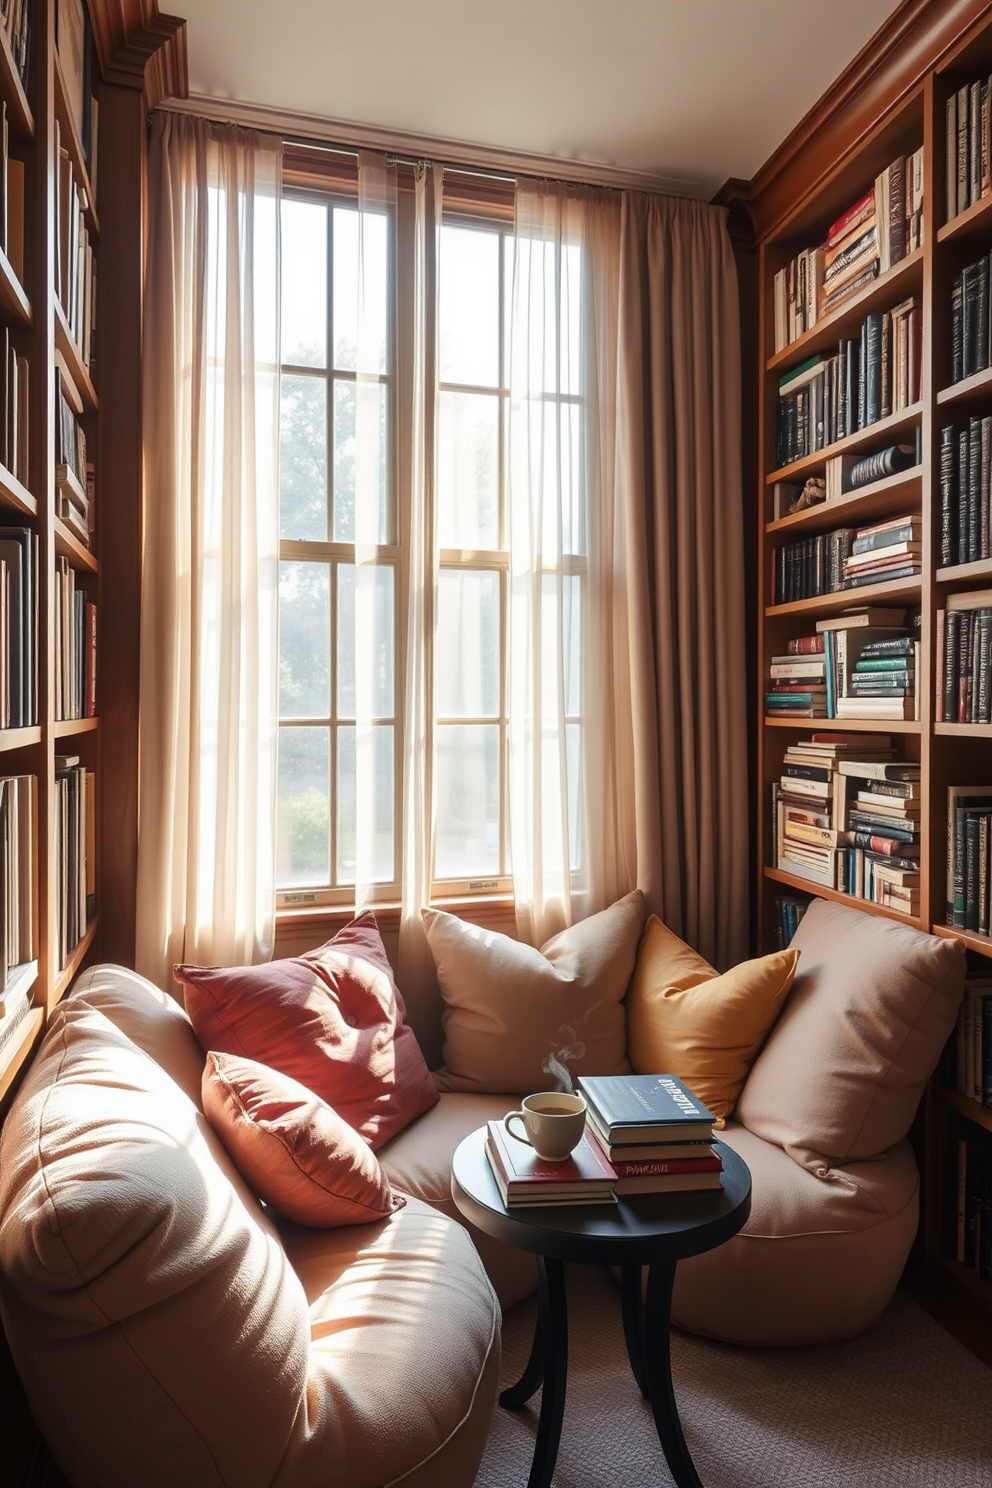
x=292, y=1150
x=332, y=1019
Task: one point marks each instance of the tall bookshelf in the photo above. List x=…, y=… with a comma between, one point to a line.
x=890, y=102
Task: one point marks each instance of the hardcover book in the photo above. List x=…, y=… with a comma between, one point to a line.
x=585, y=1177
x=639, y=1108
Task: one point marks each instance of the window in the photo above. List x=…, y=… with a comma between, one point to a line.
x=343, y=577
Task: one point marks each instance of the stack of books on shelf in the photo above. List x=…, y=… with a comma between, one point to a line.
x=970, y=340
x=884, y=551
x=965, y=483
x=75, y=851
x=787, y=911
x=969, y=871
x=19, y=627
x=15, y=17
x=860, y=664
x=75, y=646
x=846, y=814
x=653, y=1131
x=874, y=233
x=528, y=1181
x=73, y=475
x=967, y=142
x=873, y=375
x=964, y=645
x=18, y=908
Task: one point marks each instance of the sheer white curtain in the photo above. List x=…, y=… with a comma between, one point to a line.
x=570, y=852
x=208, y=705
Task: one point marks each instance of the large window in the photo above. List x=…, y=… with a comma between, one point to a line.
x=343, y=576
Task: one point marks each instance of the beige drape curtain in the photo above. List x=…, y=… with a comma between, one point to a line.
x=633, y=763
x=207, y=743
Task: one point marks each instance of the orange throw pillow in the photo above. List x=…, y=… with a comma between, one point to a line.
x=332, y=1019
x=291, y=1149
x=684, y=1018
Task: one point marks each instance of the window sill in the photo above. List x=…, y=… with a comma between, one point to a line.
x=479, y=909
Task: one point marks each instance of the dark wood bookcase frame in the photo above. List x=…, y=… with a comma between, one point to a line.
x=891, y=100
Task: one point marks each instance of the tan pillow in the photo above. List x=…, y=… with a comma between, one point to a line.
x=684, y=1018
x=508, y=1007
x=843, y=1070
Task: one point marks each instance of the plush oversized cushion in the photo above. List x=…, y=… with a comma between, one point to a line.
x=818, y=1258
x=291, y=1148
x=683, y=1017
x=404, y=1361
x=149, y=1017
x=332, y=1019
x=508, y=1007
x=147, y=1301
x=844, y=1068
x=418, y=1162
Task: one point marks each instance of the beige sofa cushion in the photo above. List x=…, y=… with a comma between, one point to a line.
x=418, y=1162
x=508, y=1007
x=818, y=1259
x=843, y=1070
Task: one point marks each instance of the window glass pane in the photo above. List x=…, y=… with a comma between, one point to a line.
x=303, y=459
x=304, y=283
x=573, y=767
x=467, y=776
x=467, y=650
x=372, y=478
x=468, y=306
x=304, y=640
x=361, y=290
x=573, y=513
x=570, y=318
x=366, y=608
x=572, y=643
x=468, y=470
x=383, y=850
x=303, y=808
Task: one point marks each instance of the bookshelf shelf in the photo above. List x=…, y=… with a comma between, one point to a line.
x=975, y=942
x=964, y=730
x=848, y=725
x=65, y=728
x=965, y=573
x=67, y=545
x=973, y=223
x=901, y=591
x=978, y=385
x=879, y=433
x=796, y=881
x=15, y=496
x=883, y=498
x=14, y=1054
x=894, y=285
x=19, y=116
x=19, y=738
x=66, y=346
x=64, y=978
x=14, y=303
x=961, y=1105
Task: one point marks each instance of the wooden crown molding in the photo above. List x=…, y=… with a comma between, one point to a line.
x=907, y=46
x=139, y=48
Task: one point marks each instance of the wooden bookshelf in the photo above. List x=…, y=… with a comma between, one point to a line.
x=891, y=101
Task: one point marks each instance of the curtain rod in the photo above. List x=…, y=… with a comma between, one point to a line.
x=347, y=138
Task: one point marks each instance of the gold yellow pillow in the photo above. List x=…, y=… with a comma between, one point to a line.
x=684, y=1018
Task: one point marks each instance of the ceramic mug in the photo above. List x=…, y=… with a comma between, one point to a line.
x=554, y=1123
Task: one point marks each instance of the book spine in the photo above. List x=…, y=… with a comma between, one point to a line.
x=951, y=158
x=974, y=486
x=964, y=465
x=957, y=328
x=948, y=496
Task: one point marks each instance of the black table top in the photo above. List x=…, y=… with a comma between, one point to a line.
x=638, y=1229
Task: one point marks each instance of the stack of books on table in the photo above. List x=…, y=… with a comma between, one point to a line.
x=526, y=1180
x=654, y=1132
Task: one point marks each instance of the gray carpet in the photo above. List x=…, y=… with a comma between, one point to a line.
x=904, y=1406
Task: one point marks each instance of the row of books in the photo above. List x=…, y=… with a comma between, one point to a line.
x=870, y=377
x=843, y=474
x=969, y=1067
x=964, y=644
x=847, y=558
x=75, y=852
x=967, y=142
x=860, y=664
x=973, y=1230
x=644, y=1134
x=971, y=341
x=19, y=548
x=75, y=265
x=75, y=646
x=846, y=816
x=14, y=404
x=787, y=911
x=11, y=200
x=969, y=842
x=965, y=484
x=18, y=879
x=15, y=17
x=73, y=473
x=876, y=232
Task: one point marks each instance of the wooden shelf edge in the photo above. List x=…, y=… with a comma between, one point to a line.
x=976, y=218
x=66, y=344
x=961, y=573
x=968, y=387
x=964, y=730
x=868, y=497
x=859, y=305
x=905, y=418
x=19, y=738
x=963, y=1105
x=849, y=599
x=820, y=891
x=15, y=1054
x=67, y=545
x=975, y=942
x=848, y=725
x=15, y=496
x=12, y=297
x=65, y=976
x=64, y=728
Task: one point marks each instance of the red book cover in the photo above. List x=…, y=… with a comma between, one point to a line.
x=658, y=1167
x=863, y=207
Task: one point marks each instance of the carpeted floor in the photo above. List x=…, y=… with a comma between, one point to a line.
x=904, y=1406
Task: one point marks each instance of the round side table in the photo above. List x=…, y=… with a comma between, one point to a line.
x=654, y=1230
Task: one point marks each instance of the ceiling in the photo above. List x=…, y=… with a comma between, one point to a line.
x=688, y=92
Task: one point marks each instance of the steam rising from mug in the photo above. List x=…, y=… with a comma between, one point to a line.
x=556, y=1064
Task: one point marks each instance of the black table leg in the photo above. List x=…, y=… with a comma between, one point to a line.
x=632, y=1307
x=658, y=1368
x=547, y=1366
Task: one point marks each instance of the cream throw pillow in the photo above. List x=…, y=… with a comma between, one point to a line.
x=684, y=1018
x=509, y=1007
